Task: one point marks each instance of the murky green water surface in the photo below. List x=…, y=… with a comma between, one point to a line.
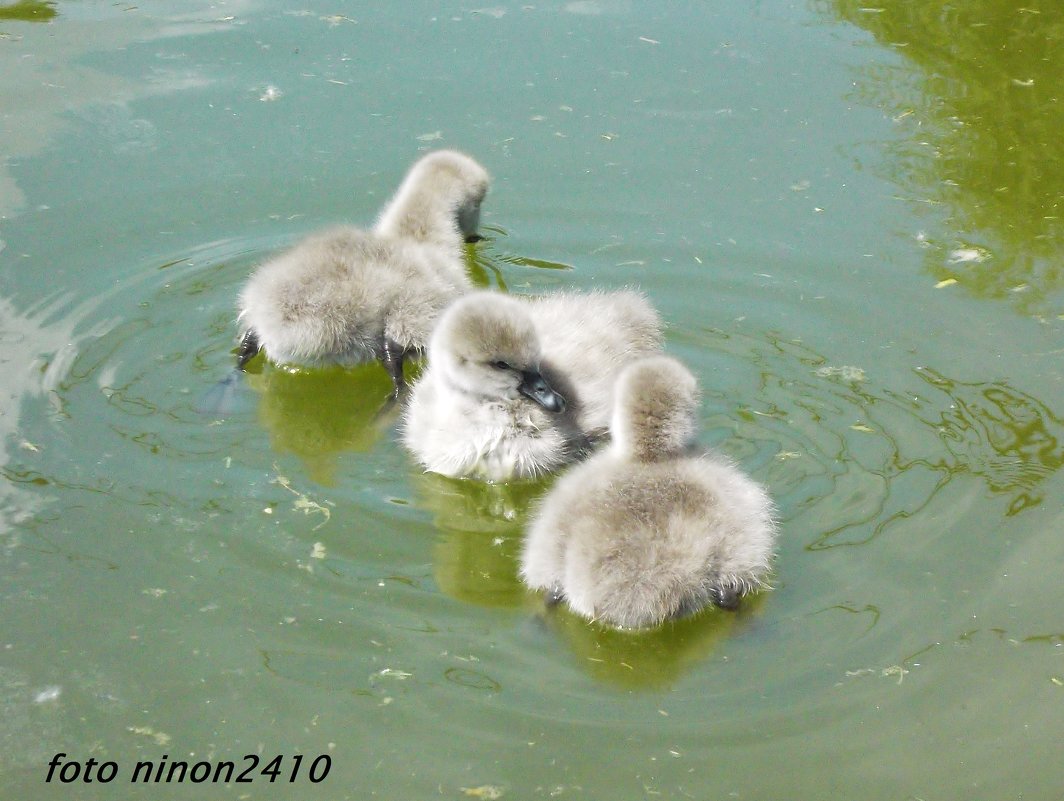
x=851, y=218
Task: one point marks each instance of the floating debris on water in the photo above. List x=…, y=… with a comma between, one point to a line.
x=893, y=670
x=846, y=372
x=271, y=93
x=48, y=695
x=333, y=20
x=490, y=792
x=307, y=506
x=160, y=738
x=970, y=255
x=945, y=282
x=303, y=503
x=392, y=673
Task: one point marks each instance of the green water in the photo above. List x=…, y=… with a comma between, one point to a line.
x=850, y=217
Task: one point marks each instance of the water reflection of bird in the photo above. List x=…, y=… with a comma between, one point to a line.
x=647, y=658
x=645, y=531
x=517, y=387
x=348, y=296
x=479, y=533
x=319, y=414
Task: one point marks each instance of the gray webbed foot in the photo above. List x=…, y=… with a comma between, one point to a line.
x=247, y=349
x=725, y=597
x=393, y=356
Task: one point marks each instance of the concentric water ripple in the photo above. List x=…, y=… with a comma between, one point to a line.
x=398, y=591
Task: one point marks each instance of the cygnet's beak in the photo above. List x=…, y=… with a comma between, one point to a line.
x=469, y=221
x=535, y=386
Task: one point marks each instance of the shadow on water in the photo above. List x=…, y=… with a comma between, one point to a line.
x=974, y=96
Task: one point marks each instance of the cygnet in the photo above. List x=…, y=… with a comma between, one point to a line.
x=516, y=387
x=348, y=296
x=589, y=337
x=647, y=530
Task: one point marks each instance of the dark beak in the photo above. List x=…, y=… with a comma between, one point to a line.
x=469, y=221
x=535, y=387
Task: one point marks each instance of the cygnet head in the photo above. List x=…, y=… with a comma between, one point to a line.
x=654, y=409
x=444, y=187
x=469, y=181
x=485, y=344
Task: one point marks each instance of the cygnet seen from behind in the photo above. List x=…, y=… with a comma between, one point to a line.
x=647, y=530
x=348, y=296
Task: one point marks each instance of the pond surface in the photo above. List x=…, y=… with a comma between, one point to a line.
x=851, y=218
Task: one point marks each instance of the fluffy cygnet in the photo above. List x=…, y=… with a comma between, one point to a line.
x=348, y=296
x=503, y=396
x=646, y=531
x=589, y=337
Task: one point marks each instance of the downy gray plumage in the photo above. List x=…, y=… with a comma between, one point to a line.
x=647, y=530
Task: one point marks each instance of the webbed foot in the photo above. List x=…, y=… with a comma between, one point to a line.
x=247, y=349
x=393, y=357
x=725, y=597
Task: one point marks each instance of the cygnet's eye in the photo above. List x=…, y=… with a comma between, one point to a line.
x=501, y=365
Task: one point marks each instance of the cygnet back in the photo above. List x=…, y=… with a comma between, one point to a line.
x=347, y=295
x=645, y=530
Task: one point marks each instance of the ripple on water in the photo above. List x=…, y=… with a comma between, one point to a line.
x=855, y=460
x=850, y=460
x=401, y=590
x=853, y=450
